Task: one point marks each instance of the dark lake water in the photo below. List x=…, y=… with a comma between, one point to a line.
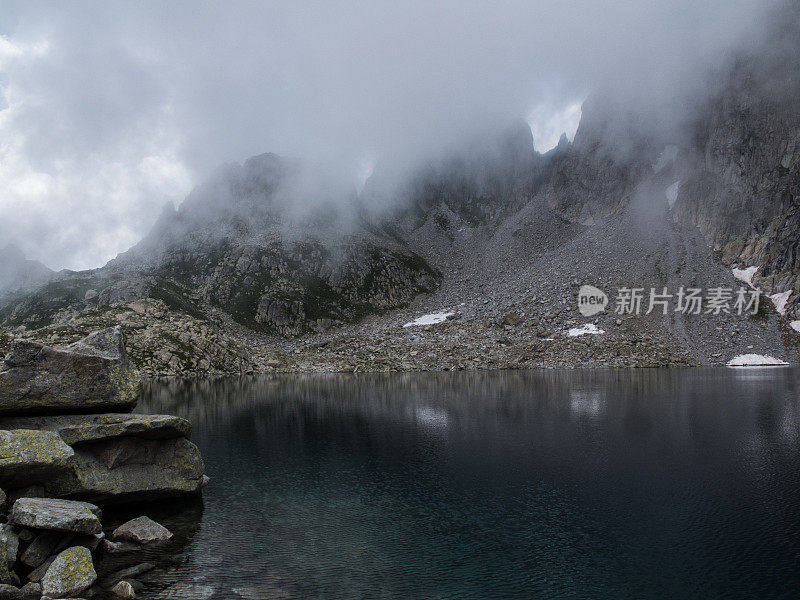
x=537, y=484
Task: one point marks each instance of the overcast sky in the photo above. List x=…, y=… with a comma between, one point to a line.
x=110, y=109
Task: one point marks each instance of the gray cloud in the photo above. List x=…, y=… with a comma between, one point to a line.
x=113, y=108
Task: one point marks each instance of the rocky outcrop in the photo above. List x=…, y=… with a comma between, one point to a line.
x=29, y=456
x=107, y=457
x=91, y=374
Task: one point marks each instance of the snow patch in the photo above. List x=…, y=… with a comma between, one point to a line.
x=587, y=328
x=430, y=319
x=795, y=325
x=667, y=156
x=672, y=193
x=745, y=275
x=755, y=360
x=780, y=300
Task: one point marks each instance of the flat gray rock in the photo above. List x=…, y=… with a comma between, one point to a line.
x=78, y=429
x=141, y=530
x=91, y=375
x=56, y=515
x=71, y=573
x=130, y=469
x=30, y=456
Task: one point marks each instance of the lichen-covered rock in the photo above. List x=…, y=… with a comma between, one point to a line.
x=141, y=530
x=93, y=374
x=31, y=591
x=77, y=429
x=31, y=456
x=129, y=468
x=10, y=592
x=70, y=574
x=56, y=515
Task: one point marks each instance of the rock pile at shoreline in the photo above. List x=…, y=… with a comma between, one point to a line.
x=49, y=548
x=68, y=443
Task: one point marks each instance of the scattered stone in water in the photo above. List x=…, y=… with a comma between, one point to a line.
x=71, y=573
x=119, y=547
x=56, y=515
x=123, y=590
x=141, y=530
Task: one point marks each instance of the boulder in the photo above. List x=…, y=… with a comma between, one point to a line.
x=57, y=515
x=71, y=573
x=93, y=374
x=141, y=530
x=30, y=456
x=2, y=498
x=123, y=590
x=129, y=469
x=10, y=592
x=78, y=429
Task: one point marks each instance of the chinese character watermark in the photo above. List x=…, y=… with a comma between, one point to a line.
x=685, y=300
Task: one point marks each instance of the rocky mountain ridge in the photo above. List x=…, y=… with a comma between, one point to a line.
x=274, y=265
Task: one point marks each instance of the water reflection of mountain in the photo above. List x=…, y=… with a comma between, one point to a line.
x=641, y=403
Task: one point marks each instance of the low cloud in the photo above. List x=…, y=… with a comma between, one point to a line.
x=110, y=109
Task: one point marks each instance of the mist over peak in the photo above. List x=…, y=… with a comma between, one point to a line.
x=112, y=109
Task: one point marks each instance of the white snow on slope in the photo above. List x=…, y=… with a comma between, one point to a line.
x=672, y=193
x=588, y=328
x=745, y=275
x=795, y=325
x=755, y=360
x=430, y=319
x=780, y=300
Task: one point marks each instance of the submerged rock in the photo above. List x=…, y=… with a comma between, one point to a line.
x=91, y=374
x=30, y=456
x=78, y=429
x=57, y=515
x=141, y=530
x=70, y=574
x=181, y=591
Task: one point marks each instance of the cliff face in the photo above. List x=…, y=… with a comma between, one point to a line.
x=741, y=180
